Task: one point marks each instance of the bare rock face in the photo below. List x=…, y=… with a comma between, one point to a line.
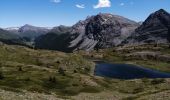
x=110, y=30
x=155, y=29
x=100, y=31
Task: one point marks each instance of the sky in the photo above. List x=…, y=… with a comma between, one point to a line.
x=50, y=13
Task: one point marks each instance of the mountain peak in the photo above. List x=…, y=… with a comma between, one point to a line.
x=27, y=25
x=155, y=29
x=159, y=18
x=104, y=14
x=160, y=13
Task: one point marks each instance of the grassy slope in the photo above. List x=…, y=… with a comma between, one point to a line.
x=32, y=70
x=36, y=71
x=121, y=55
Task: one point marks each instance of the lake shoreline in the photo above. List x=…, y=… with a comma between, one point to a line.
x=117, y=70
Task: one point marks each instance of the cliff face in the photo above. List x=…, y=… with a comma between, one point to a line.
x=109, y=30
x=155, y=29
x=100, y=31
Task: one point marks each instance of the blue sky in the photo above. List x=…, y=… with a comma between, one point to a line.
x=51, y=13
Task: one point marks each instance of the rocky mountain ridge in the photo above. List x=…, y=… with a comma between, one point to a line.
x=155, y=29
x=103, y=30
x=28, y=31
x=100, y=31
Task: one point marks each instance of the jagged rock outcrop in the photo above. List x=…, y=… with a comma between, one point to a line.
x=110, y=30
x=100, y=31
x=155, y=29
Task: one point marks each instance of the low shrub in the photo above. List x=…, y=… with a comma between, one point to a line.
x=1, y=75
x=52, y=79
x=157, y=81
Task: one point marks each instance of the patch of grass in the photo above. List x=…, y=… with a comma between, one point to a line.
x=106, y=82
x=130, y=98
x=119, y=55
x=160, y=66
x=91, y=89
x=11, y=89
x=69, y=91
x=37, y=71
x=157, y=81
x=129, y=87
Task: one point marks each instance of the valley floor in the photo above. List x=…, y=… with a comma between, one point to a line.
x=153, y=94
x=27, y=74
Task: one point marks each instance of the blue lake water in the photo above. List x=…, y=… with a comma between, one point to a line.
x=127, y=71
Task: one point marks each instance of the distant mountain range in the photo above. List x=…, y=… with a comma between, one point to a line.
x=100, y=31
x=29, y=31
x=10, y=38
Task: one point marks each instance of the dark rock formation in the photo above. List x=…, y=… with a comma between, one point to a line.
x=155, y=29
x=100, y=31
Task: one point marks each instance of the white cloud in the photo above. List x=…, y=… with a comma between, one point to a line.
x=102, y=4
x=56, y=1
x=80, y=6
x=122, y=4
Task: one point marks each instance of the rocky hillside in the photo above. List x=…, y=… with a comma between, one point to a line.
x=56, y=39
x=155, y=29
x=29, y=32
x=100, y=31
x=10, y=38
x=106, y=30
x=60, y=29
